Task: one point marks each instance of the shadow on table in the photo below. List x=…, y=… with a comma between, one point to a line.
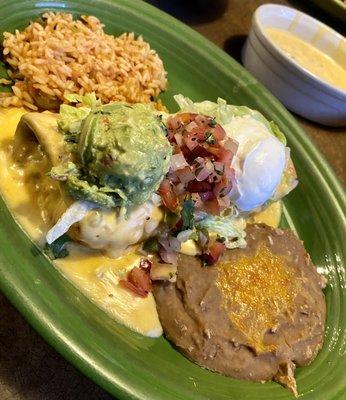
x=233, y=46
x=192, y=11
x=31, y=370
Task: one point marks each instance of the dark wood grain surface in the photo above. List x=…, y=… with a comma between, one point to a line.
x=32, y=370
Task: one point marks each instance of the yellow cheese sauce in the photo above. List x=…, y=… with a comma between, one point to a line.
x=270, y=216
x=29, y=193
x=309, y=57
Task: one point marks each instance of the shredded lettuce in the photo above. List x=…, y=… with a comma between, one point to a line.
x=276, y=132
x=187, y=214
x=75, y=213
x=224, y=113
x=230, y=227
x=89, y=100
x=71, y=118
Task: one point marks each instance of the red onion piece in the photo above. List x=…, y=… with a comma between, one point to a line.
x=168, y=257
x=179, y=139
x=219, y=167
x=224, y=202
x=202, y=174
x=184, y=236
x=206, y=195
x=178, y=162
x=190, y=141
x=191, y=126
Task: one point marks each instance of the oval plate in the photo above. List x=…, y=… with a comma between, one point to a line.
x=124, y=363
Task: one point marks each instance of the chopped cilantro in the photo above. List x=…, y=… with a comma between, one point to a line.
x=171, y=275
x=57, y=249
x=212, y=123
x=198, y=170
x=187, y=214
x=209, y=138
x=194, y=235
x=221, y=239
x=170, y=218
x=151, y=245
x=4, y=75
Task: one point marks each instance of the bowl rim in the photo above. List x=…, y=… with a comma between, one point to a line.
x=281, y=56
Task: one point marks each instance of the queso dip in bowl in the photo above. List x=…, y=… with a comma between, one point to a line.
x=301, y=60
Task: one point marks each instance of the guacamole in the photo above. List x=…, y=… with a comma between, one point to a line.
x=121, y=155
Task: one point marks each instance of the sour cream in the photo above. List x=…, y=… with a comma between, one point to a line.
x=258, y=163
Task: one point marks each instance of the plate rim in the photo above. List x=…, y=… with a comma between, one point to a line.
x=40, y=321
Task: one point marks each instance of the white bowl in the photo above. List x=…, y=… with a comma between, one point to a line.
x=298, y=89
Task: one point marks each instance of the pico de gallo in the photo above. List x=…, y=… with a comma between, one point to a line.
x=200, y=165
x=199, y=180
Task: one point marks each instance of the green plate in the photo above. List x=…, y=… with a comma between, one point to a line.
x=124, y=363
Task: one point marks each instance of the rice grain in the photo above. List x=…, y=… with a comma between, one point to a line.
x=63, y=55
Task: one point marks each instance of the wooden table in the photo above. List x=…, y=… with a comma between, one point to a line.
x=29, y=368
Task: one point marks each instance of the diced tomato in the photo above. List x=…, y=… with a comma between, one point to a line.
x=190, y=141
x=169, y=198
x=140, y=278
x=199, y=187
x=216, y=250
x=174, y=123
x=138, y=281
x=219, y=133
x=225, y=155
x=145, y=264
x=132, y=288
x=229, y=172
x=200, y=133
x=212, y=206
x=213, y=253
x=186, y=118
x=198, y=151
x=207, y=259
x=214, y=150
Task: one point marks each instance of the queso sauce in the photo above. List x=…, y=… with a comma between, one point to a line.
x=30, y=195
x=309, y=57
